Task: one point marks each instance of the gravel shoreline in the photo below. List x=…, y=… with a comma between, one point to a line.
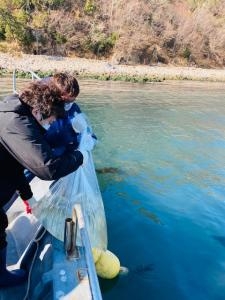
x=82, y=66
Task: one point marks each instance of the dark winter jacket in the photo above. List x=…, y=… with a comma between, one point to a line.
x=61, y=135
x=23, y=145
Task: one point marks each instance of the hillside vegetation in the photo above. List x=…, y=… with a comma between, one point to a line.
x=185, y=32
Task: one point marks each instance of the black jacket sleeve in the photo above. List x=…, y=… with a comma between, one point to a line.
x=24, y=140
x=23, y=187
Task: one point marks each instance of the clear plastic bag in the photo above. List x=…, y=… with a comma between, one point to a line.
x=53, y=203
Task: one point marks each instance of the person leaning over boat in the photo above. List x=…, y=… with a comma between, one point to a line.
x=23, y=120
x=65, y=132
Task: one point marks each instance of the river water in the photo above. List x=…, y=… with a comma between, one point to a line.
x=160, y=164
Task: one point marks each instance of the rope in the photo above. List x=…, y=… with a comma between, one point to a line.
x=36, y=240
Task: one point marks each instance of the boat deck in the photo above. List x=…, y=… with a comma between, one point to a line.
x=52, y=274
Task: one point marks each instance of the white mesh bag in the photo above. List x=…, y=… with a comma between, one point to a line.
x=53, y=203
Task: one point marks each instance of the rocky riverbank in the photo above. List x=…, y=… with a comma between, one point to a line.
x=101, y=69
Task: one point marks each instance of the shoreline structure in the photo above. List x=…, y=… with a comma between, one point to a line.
x=105, y=70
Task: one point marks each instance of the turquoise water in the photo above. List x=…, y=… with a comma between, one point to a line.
x=165, y=197
x=160, y=162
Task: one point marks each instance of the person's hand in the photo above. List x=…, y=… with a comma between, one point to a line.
x=87, y=142
x=79, y=123
x=31, y=202
x=27, y=207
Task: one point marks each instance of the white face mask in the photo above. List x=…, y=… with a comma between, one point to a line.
x=46, y=126
x=67, y=106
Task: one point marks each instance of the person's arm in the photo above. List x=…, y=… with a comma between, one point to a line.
x=24, y=140
x=25, y=192
x=23, y=187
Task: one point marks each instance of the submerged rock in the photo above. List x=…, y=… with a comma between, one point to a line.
x=105, y=170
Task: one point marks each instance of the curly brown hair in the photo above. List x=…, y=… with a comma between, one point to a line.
x=45, y=98
x=66, y=83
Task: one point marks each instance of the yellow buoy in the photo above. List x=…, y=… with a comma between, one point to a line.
x=107, y=264
x=96, y=254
